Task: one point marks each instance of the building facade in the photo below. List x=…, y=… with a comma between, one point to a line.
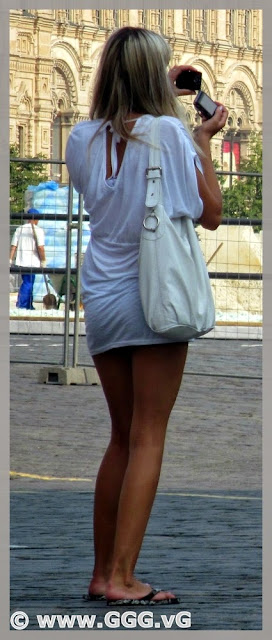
x=54, y=56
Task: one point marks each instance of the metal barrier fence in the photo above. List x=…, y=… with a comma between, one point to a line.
x=68, y=325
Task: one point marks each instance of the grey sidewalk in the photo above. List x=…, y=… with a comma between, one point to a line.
x=204, y=537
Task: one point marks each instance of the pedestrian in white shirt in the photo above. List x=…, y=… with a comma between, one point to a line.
x=28, y=245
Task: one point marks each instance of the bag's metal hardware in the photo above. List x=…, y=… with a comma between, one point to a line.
x=153, y=169
x=151, y=215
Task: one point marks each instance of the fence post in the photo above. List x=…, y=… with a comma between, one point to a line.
x=78, y=267
x=68, y=275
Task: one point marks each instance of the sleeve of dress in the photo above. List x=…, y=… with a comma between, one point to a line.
x=74, y=157
x=179, y=161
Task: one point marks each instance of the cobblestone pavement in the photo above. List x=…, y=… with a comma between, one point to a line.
x=204, y=537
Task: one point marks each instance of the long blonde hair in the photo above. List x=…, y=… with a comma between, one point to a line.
x=132, y=77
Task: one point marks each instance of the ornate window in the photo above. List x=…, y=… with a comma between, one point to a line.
x=21, y=141
x=192, y=24
x=197, y=28
x=236, y=27
x=210, y=25
x=69, y=14
x=200, y=27
x=96, y=17
x=105, y=18
x=168, y=22
x=159, y=19
x=204, y=21
x=123, y=18
x=102, y=19
x=248, y=28
x=255, y=26
x=116, y=17
x=156, y=20
x=230, y=24
x=72, y=15
x=240, y=35
x=141, y=18
x=186, y=22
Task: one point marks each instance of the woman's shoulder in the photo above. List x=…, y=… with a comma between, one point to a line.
x=173, y=129
x=170, y=123
x=170, y=126
x=85, y=127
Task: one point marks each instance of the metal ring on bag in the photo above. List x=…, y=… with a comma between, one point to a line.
x=151, y=215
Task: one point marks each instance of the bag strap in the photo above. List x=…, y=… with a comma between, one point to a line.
x=37, y=247
x=154, y=171
x=36, y=240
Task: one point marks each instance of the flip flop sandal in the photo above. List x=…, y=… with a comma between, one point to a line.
x=148, y=599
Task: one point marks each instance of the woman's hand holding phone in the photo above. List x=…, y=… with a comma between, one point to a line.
x=210, y=126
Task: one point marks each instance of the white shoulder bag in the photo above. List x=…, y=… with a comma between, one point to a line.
x=174, y=283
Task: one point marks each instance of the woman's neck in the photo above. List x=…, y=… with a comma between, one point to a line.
x=133, y=115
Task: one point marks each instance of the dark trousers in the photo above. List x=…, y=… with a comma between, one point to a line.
x=25, y=294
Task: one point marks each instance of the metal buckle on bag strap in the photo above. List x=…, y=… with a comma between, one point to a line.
x=156, y=172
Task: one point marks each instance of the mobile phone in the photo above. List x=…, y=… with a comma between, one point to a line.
x=205, y=104
x=188, y=79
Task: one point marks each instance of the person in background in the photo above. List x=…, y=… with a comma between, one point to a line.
x=140, y=371
x=28, y=245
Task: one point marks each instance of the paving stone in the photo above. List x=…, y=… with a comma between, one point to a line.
x=218, y=584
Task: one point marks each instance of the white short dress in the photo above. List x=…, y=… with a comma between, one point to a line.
x=109, y=277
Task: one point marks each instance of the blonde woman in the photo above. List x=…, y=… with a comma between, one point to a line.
x=140, y=371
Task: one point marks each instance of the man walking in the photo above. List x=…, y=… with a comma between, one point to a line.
x=28, y=244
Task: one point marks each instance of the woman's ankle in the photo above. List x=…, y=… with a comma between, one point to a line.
x=119, y=580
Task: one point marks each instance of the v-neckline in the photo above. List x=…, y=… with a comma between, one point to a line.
x=110, y=151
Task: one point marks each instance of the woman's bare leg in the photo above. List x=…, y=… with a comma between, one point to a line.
x=157, y=373
x=115, y=371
